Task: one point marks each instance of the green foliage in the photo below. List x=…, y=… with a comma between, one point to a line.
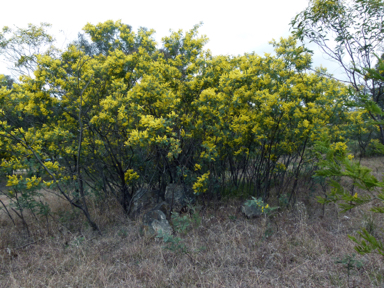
x=21, y=46
x=357, y=30
x=369, y=244
x=261, y=205
x=174, y=244
x=78, y=241
x=335, y=163
x=244, y=189
x=114, y=113
x=24, y=197
x=6, y=81
x=185, y=223
x=181, y=223
x=122, y=233
x=283, y=200
x=377, y=277
x=268, y=232
x=232, y=217
x=350, y=263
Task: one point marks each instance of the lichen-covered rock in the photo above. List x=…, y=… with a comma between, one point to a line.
x=251, y=211
x=143, y=200
x=154, y=221
x=182, y=196
x=163, y=207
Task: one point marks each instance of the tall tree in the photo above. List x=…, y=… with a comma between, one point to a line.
x=349, y=32
x=21, y=46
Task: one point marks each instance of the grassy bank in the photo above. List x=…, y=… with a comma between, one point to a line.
x=301, y=246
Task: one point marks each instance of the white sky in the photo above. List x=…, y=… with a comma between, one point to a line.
x=233, y=27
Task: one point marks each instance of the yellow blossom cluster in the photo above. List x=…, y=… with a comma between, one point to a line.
x=126, y=111
x=200, y=186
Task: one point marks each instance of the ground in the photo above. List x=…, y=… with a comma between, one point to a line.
x=297, y=247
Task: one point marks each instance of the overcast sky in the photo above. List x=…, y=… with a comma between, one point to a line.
x=233, y=27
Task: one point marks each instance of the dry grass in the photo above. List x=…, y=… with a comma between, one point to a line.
x=295, y=248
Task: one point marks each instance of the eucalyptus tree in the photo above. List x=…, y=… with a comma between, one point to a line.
x=350, y=33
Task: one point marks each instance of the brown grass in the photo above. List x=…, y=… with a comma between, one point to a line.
x=295, y=248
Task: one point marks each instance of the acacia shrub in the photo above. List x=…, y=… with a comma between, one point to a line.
x=125, y=119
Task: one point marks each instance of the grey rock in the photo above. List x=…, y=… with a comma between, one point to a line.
x=163, y=207
x=143, y=200
x=182, y=196
x=154, y=221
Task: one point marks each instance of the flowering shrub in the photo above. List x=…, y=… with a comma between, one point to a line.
x=264, y=208
x=124, y=114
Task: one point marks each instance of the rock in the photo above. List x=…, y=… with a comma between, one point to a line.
x=163, y=207
x=143, y=200
x=154, y=221
x=251, y=211
x=182, y=196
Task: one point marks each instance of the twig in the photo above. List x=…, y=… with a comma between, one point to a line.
x=298, y=266
x=26, y=245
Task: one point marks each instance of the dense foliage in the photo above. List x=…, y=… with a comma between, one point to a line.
x=112, y=113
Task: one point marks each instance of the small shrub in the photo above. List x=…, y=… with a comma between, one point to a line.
x=173, y=244
x=262, y=206
x=350, y=262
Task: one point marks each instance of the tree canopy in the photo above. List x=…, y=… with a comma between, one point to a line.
x=351, y=33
